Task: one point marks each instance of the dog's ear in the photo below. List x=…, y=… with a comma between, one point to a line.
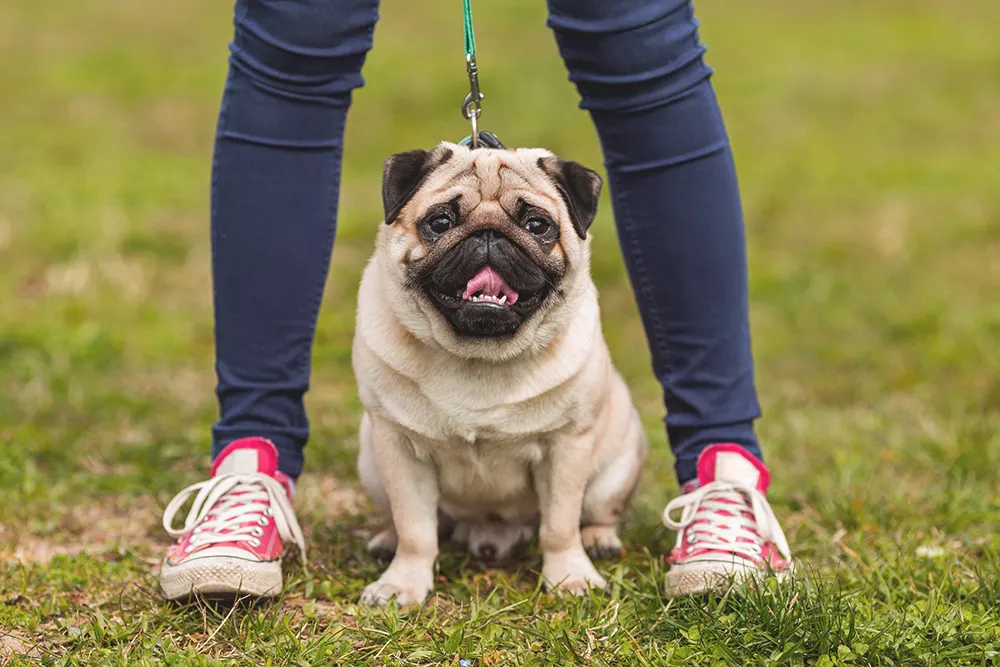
x=402, y=176
x=580, y=189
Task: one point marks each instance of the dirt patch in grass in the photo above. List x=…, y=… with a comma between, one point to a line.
x=112, y=525
x=328, y=498
x=300, y=608
x=13, y=644
x=119, y=524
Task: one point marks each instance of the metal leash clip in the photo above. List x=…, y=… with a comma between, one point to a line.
x=472, y=106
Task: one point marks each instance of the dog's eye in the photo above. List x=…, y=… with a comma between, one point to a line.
x=439, y=225
x=538, y=226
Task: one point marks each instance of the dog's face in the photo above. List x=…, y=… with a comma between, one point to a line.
x=485, y=244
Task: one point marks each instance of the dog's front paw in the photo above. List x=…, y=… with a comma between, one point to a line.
x=571, y=572
x=408, y=584
x=379, y=594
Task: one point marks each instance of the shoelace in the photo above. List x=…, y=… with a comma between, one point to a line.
x=716, y=516
x=252, y=499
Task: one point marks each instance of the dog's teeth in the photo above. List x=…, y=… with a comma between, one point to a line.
x=500, y=300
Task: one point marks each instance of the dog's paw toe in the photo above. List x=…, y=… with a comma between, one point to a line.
x=605, y=552
x=383, y=545
x=382, y=554
x=379, y=594
x=573, y=573
x=580, y=585
x=602, y=543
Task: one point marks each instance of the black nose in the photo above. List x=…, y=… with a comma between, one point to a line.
x=489, y=239
x=487, y=551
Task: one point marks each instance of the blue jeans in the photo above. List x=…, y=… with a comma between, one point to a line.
x=639, y=70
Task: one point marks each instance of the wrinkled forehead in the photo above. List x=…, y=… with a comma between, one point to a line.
x=494, y=176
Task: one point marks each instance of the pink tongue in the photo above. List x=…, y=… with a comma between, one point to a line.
x=489, y=283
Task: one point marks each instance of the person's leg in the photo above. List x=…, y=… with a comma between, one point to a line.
x=275, y=180
x=275, y=184
x=638, y=67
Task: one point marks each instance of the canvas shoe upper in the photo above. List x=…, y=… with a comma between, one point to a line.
x=234, y=536
x=727, y=531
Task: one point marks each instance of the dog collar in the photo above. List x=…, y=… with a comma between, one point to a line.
x=486, y=140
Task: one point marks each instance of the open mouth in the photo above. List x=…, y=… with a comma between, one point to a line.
x=485, y=286
x=488, y=289
x=488, y=286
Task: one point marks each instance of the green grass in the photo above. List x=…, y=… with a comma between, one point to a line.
x=867, y=134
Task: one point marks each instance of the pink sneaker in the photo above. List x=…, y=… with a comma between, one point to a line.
x=728, y=533
x=233, y=538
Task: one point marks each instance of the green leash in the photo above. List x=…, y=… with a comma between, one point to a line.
x=470, y=34
x=472, y=107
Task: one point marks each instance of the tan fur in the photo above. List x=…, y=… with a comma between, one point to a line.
x=535, y=427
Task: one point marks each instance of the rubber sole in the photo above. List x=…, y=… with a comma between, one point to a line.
x=694, y=580
x=220, y=577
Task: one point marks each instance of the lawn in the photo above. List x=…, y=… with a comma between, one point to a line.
x=867, y=134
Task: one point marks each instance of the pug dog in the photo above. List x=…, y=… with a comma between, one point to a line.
x=491, y=406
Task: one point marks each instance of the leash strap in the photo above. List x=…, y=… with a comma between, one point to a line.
x=472, y=106
x=470, y=34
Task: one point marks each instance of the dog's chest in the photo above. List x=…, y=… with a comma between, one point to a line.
x=486, y=476
x=501, y=427
x=485, y=455
x=486, y=413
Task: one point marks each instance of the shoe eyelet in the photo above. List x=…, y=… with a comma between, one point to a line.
x=188, y=548
x=268, y=512
x=692, y=539
x=257, y=531
x=254, y=541
x=263, y=521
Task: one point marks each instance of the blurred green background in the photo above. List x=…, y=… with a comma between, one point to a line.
x=867, y=138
